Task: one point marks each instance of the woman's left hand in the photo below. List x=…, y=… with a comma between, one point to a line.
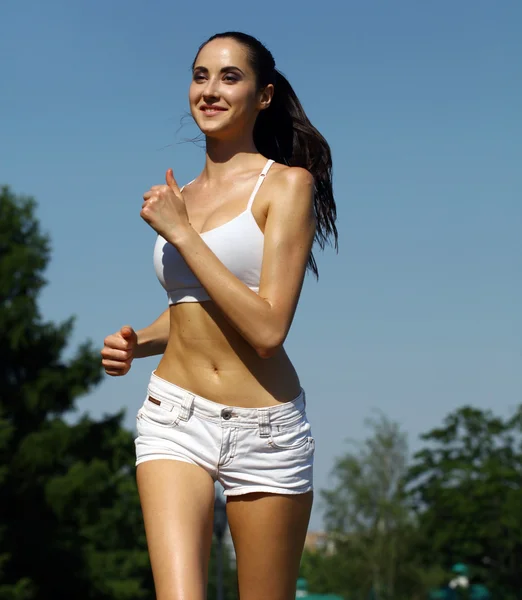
x=164, y=209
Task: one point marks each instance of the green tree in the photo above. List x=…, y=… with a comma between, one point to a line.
x=229, y=575
x=327, y=572
x=71, y=523
x=466, y=487
x=368, y=517
x=21, y=589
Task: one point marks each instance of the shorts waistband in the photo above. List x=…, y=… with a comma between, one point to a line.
x=235, y=416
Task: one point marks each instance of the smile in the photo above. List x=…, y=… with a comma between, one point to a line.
x=211, y=111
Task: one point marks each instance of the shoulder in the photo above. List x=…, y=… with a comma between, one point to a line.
x=291, y=187
x=291, y=198
x=291, y=177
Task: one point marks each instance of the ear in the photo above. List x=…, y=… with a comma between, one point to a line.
x=265, y=97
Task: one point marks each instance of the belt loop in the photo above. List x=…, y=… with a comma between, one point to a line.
x=186, y=406
x=263, y=419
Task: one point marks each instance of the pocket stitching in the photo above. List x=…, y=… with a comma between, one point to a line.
x=174, y=421
x=273, y=440
x=303, y=421
x=289, y=424
x=274, y=444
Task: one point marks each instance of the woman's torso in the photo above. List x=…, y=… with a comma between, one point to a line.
x=205, y=354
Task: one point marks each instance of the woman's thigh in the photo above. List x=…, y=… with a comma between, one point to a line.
x=269, y=532
x=177, y=500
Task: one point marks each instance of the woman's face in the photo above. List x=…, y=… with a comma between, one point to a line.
x=223, y=95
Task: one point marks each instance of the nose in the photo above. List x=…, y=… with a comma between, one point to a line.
x=211, y=89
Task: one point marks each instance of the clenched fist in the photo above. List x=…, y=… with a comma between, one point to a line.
x=118, y=351
x=164, y=209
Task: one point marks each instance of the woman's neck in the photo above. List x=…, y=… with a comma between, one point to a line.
x=225, y=158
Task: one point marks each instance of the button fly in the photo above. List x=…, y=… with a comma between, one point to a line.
x=226, y=413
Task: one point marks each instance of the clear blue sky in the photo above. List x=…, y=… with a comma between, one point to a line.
x=420, y=312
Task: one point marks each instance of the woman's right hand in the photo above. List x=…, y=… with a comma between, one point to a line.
x=118, y=351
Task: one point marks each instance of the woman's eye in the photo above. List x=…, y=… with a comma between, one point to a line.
x=230, y=78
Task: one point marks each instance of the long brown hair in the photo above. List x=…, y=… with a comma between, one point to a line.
x=285, y=134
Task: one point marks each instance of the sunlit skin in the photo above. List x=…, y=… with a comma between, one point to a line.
x=229, y=349
x=216, y=349
x=213, y=347
x=222, y=78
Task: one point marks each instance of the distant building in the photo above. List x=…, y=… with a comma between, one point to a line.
x=319, y=541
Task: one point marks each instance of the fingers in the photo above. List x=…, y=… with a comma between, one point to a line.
x=118, y=351
x=171, y=182
x=113, y=355
x=156, y=190
x=117, y=342
x=116, y=369
x=128, y=334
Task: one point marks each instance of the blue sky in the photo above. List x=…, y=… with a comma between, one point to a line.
x=419, y=313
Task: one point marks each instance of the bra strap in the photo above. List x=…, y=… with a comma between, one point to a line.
x=260, y=180
x=184, y=186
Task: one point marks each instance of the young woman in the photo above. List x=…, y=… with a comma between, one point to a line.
x=225, y=402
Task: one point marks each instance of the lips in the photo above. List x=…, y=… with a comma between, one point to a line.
x=212, y=110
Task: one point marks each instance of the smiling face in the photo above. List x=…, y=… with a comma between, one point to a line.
x=224, y=96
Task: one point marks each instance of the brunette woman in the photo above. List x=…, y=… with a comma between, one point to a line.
x=225, y=402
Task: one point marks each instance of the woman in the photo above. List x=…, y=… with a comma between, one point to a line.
x=225, y=402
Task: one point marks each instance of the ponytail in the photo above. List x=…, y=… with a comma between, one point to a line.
x=284, y=133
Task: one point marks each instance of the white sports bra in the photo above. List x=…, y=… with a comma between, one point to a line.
x=238, y=244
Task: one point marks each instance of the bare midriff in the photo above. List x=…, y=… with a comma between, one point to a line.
x=208, y=357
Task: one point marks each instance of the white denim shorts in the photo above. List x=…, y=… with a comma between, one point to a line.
x=246, y=449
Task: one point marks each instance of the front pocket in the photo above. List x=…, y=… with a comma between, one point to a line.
x=291, y=438
x=164, y=414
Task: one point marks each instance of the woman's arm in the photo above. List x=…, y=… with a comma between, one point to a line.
x=153, y=339
x=263, y=319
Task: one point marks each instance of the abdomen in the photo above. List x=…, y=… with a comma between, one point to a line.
x=208, y=357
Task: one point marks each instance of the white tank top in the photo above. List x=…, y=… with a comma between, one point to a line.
x=238, y=244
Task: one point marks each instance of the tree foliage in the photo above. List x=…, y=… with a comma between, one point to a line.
x=368, y=517
x=399, y=527
x=70, y=521
x=71, y=524
x=466, y=487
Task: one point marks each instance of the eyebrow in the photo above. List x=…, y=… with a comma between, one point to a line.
x=223, y=70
